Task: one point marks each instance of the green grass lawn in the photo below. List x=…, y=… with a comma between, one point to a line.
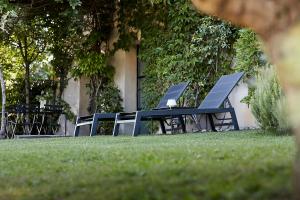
x=231, y=165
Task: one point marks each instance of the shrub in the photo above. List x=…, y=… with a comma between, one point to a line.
x=267, y=104
x=108, y=100
x=249, y=58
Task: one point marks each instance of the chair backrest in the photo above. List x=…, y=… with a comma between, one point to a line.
x=221, y=90
x=22, y=108
x=53, y=108
x=174, y=92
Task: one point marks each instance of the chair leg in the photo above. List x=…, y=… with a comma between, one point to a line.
x=116, y=126
x=234, y=120
x=137, y=124
x=77, y=128
x=14, y=127
x=197, y=122
x=94, y=126
x=162, y=126
x=182, y=123
x=211, y=122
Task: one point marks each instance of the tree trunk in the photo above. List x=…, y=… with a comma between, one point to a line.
x=62, y=85
x=3, y=119
x=54, y=89
x=278, y=24
x=287, y=60
x=27, y=96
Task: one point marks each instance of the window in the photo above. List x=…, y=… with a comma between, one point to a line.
x=140, y=76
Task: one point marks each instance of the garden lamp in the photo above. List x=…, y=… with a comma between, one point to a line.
x=171, y=103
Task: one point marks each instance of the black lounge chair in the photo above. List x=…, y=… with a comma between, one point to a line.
x=215, y=102
x=174, y=92
x=93, y=121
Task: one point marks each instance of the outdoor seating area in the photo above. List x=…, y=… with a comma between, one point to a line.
x=174, y=92
x=216, y=102
x=33, y=120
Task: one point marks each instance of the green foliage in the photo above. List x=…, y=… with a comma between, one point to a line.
x=3, y=5
x=71, y=30
x=91, y=64
x=74, y=3
x=185, y=47
x=281, y=114
x=28, y=38
x=11, y=62
x=67, y=41
x=94, y=65
x=93, y=53
x=67, y=110
x=249, y=58
x=65, y=32
x=108, y=100
x=133, y=16
x=49, y=97
x=267, y=104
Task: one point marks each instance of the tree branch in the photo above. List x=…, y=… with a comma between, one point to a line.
x=21, y=47
x=34, y=56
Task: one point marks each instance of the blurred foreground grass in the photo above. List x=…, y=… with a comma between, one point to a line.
x=231, y=165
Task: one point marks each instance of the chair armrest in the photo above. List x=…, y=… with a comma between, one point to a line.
x=85, y=117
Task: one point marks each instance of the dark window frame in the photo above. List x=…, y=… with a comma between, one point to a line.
x=139, y=77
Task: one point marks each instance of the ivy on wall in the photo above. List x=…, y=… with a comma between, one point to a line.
x=249, y=56
x=185, y=46
x=249, y=59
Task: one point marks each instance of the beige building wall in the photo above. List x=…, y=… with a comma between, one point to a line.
x=125, y=63
x=75, y=94
x=243, y=112
x=126, y=77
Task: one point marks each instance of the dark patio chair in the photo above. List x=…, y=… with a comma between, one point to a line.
x=16, y=119
x=215, y=102
x=174, y=92
x=50, y=119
